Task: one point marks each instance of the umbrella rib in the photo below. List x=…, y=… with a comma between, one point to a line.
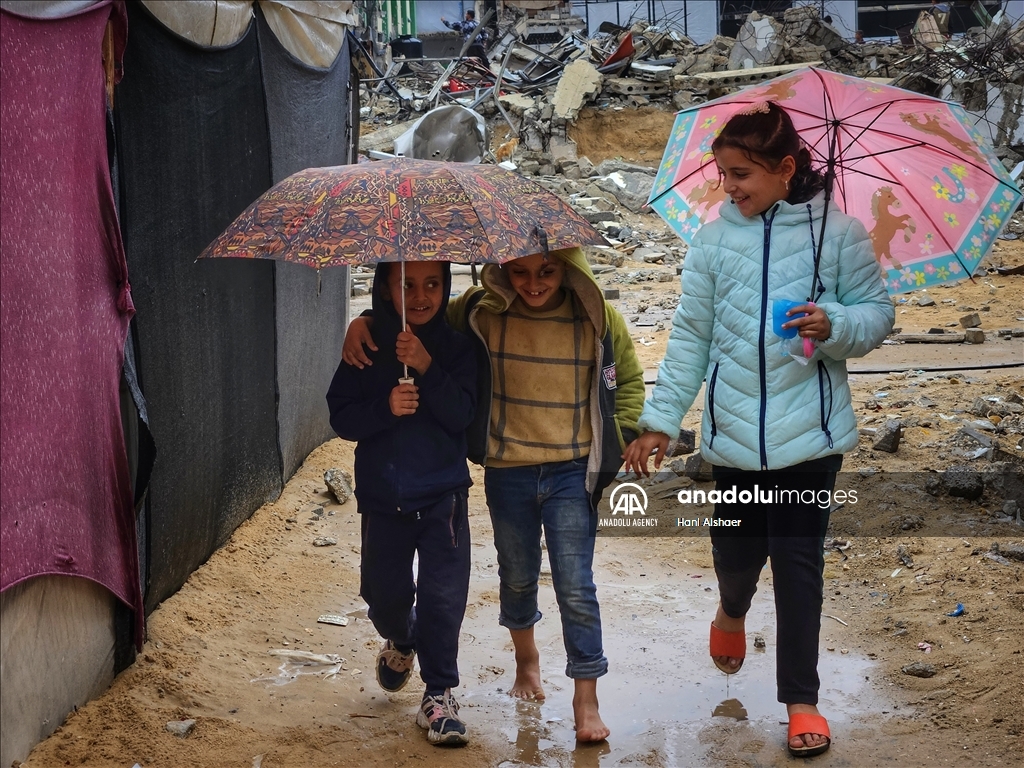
x=941, y=235
x=469, y=199
x=677, y=182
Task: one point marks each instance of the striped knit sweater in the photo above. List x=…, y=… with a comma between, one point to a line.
x=542, y=365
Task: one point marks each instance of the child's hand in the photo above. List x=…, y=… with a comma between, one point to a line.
x=814, y=325
x=357, y=335
x=404, y=399
x=640, y=450
x=410, y=351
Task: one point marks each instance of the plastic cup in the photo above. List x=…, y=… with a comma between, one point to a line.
x=779, y=309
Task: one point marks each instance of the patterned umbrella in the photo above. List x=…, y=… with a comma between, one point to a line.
x=924, y=181
x=403, y=210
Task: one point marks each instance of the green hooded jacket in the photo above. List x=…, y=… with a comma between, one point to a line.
x=618, y=385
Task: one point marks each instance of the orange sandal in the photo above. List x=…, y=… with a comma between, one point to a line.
x=731, y=644
x=803, y=722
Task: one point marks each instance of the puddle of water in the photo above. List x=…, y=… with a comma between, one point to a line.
x=662, y=693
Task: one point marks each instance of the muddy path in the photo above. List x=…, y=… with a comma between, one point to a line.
x=240, y=651
x=217, y=654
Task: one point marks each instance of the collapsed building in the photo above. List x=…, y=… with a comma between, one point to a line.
x=538, y=88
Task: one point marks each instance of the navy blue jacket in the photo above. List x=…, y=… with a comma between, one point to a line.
x=407, y=463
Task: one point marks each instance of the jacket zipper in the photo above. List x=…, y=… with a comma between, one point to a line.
x=761, y=355
x=825, y=417
x=711, y=404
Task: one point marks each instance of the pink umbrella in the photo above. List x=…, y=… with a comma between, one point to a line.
x=924, y=181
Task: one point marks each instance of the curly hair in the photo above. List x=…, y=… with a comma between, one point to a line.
x=767, y=135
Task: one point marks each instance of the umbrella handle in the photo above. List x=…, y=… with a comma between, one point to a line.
x=406, y=379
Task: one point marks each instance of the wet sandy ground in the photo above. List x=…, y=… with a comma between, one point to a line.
x=209, y=656
x=214, y=656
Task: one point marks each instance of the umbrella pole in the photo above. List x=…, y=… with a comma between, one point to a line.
x=830, y=177
x=406, y=378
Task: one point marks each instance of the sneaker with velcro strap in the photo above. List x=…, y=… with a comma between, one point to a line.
x=439, y=715
x=394, y=667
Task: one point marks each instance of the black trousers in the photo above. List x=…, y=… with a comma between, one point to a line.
x=785, y=520
x=440, y=535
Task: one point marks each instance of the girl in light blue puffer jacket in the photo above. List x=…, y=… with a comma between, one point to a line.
x=774, y=426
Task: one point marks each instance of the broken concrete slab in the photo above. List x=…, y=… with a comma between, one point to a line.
x=562, y=150
x=611, y=165
x=517, y=103
x=758, y=43
x=888, y=437
x=630, y=86
x=383, y=140
x=631, y=189
x=580, y=82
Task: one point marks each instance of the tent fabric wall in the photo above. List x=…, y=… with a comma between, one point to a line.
x=57, y=651
x=234, y=357
x=65, y=495
x=308, y=117
x=193, y=152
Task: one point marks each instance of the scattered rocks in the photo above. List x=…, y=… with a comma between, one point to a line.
x=919, y=669
x=339, y=482
x=698, y=468
x=684, y=444
x=314, y=510
x=964, y=482
x=181, y=728
x=888, y=437
x=324, y=541
x=972, y=320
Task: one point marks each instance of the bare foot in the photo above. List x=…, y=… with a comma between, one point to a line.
x=727, y=623
x=589, y=725
x=527, y=685
x=805, y=739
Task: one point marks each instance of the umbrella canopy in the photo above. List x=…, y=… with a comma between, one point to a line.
x=922, y=179
x=403, y=210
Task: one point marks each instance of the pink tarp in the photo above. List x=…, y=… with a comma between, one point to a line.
x=65, y=492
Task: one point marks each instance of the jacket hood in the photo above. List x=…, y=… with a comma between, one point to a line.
x=390, y=315
x=578, y=278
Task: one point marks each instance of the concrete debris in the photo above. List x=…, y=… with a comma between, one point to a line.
x=888, y=437
x=758, y=43
x=579, y=83
x=181, y=728
x=920, y=669
x=540, y=71
x=339, y=482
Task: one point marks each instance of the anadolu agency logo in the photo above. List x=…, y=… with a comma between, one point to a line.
x=628, y=499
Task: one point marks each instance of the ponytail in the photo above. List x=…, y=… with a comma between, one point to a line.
x=807, y=181
x=765, y=132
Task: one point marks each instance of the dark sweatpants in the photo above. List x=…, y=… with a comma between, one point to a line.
x=440, y=535
x=792, y=535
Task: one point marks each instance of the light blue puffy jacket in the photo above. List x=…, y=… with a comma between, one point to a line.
x=763, y=410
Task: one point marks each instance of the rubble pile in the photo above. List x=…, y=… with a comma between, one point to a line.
x=538, y=91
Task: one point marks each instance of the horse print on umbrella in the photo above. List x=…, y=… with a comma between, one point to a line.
x=705, y=197
x=933, y=126
x=887, y=224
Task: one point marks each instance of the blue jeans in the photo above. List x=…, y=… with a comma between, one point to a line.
x=522, y=500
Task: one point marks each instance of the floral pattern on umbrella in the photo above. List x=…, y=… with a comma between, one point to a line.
x=923, y=180
x=402, y=209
